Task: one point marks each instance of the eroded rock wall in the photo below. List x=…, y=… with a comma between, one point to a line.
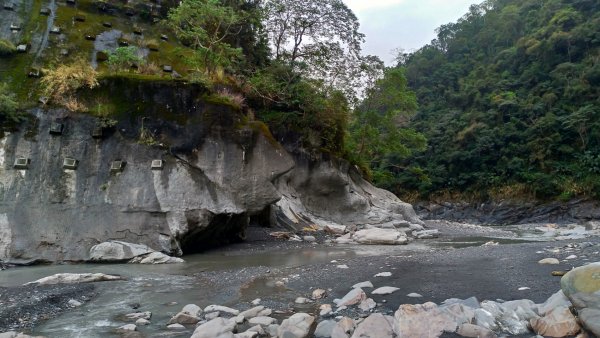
x=328, y=191
x=204, y=194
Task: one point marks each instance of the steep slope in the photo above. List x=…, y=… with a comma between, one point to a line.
x=509, y=101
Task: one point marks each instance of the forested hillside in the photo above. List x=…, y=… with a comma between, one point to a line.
x=509, y=100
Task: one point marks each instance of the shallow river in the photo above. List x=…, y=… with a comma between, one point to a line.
x=156, y=286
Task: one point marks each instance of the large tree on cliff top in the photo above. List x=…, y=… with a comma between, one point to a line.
x=318, y=38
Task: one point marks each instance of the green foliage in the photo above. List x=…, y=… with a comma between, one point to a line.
x=9, y=107
x=7, y=48
x=509, y=96
x=207, y=26
x=378, y=133
x=294, y=105
x=123, y=58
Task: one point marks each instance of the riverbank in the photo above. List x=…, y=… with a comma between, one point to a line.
x=464, y=261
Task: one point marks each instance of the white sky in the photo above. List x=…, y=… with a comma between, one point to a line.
x=406, y=24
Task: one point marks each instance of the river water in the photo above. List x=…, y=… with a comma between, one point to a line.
x=156, y=287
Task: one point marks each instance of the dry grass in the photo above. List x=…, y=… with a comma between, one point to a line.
x=235, y=99
x=61, y=83
x=149, y=68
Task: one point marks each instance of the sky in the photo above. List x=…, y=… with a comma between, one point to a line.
x=403, y=24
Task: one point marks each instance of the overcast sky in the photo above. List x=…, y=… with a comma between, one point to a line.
x=406, y=24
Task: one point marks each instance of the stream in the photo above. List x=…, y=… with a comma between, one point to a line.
x=165, y=289
x=158, y=287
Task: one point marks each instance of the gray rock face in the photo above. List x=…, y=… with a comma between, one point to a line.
x=331, y=193
x=214, y=177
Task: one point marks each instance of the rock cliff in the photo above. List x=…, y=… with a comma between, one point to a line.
x=157, y=161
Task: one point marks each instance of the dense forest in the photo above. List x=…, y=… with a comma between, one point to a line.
x=509, y=101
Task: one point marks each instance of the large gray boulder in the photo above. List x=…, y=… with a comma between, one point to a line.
x=117, y=251
x=375, y=326
x=582, y=286
x=380, y=236
x=216, y=328
x=297, y=326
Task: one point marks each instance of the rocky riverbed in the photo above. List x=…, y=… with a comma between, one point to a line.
x=307, y=285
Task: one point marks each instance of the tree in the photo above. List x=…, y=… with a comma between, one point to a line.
x=318, y=39
x=206, y=25
x=378, y=131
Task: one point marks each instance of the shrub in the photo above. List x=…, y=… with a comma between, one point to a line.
x=61, y=83
x=7, y=48
x=124, y=58
x=9, y=108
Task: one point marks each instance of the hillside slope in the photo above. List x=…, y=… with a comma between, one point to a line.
x=509, y=101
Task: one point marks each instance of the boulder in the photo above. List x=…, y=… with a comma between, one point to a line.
x=375, y=326
x=246, y=334
x=558, y=322
x=384, y=274
x=192, y=309
x=142, y=322
x=557, y=300
x=590, y=318
x=367, y=305
x=262, y=321
x=325, y=310
x=324, y=329
x=128, y=327
x=344, y=328
x=550, y=261
x=335, y=229
x=117, y=251
x=156, y=258
x=253, y=312
x=474, y=331
x=297, y=326
x=216, y=328
x=220, y=308
x=318, y=294
x=582, y=287
x=380, y=236
x=422, y=320
x=138, y=315
x=75, y=278
x=385, y=290
x=425, y=234
x=175, y=327
x=355, y=296
x=13, y=334
x=510, y=317
x=363, y=285
x=184, y=318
